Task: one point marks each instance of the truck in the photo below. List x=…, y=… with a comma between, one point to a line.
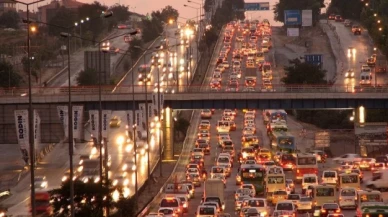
x=366, y=75
x=250, y=77
x=42, y=203
x=214, y=191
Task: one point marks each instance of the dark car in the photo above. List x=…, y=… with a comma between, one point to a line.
x=332, y=17
x=329, y=208
x=338, y=18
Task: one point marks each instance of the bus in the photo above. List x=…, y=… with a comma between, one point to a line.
x=282, y=141
x=252, y=174
x=276, y=126
x=305, y=164
x=367, y=197
x=323, y=194
x=271, y=116
x=144, y=73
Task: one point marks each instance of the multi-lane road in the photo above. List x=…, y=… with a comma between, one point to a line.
x=294, y=128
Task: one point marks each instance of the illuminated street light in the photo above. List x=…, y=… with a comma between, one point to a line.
x=378, y=21
x=361, y=110
x=380, y=29
x=375, y=15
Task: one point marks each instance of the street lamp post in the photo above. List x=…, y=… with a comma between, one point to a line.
x=134, y=131
x=147, y=123
x=70, y=125
x=30, y=112
x=80, y=26
x=196, y=30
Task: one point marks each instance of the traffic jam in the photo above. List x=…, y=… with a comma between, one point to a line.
x=232, y=171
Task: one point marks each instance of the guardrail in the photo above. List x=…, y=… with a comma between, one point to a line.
x=107, y=90
x=146, y=209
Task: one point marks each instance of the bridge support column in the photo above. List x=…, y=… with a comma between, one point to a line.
x=168, y=130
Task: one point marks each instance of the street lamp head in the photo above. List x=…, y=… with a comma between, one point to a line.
x=33, y=28
x=107, y=14
x=75, y=24
x=65, y=34
x=82, y=21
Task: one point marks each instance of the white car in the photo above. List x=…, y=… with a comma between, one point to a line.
x=285, y=205
x=260, y=204
x=347, y=158
x=225, y=64
x=167, y=212
x=153, y=214
x=305, y=204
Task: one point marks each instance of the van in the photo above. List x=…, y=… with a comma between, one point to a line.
x=308, y=179
x=348, y=198
x=329, y=177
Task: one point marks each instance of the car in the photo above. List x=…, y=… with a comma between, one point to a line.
x=240, y=38
x=367, y=163
x=251, y=188
x=356, y=30
x=206, y=114
x=331, y=17
x=295, y=198
x=329, y=208
x=347, y=158
x=285, y=205
x=120, y=180
x=40, y=182
x=305, y=204
x=115, y=122
x=66, y=176
x=347, y=23
x=338, y=18
x=239, y=202
x=349, y=73
x=371, y=62
x=290, y=186
x=129, y=164
x=154, y=214
x=167, y=212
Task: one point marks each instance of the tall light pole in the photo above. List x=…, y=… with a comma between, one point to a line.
x=70, y=127
x=134, y=131
x=30, y=112
x=196, y=30
x=80, y=26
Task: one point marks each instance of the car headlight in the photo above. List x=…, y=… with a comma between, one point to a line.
x=124, y=167
x=115, y=182
x=86, y=180
x=346, y=74
x=126, y=182
x=133, y=167
x=96, y=179
x=352, y=74
x=140, y=75
x=64, y=178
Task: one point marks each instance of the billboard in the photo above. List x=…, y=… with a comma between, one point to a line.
x=322, y=139
x=293, y=32
x=292, y=17
x=371, y=128
x=307, y=17
x=315, y=59
x=256, y=6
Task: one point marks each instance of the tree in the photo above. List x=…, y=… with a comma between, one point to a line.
x=10, y=19
x=35, y=65
x=180, y=126
x=94, y=10
x=133, y=48
x=87, y=77
x=8, y=76
x=282, y=5
x=168, y=13
x=208, y=5
x=121, y=14
x=63, y=17
x=152, y=28
x=303, y=73
x=90, y=192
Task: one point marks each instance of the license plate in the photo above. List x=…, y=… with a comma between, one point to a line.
x=331, y=211
x=348, y=200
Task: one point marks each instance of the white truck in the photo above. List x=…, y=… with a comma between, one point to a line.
x=214, y=191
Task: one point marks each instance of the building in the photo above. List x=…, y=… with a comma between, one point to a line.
x=7, y=5
x=46, y=12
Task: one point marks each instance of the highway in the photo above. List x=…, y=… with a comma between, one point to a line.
x=77, y=60
x=294, y=127
x=363, y=47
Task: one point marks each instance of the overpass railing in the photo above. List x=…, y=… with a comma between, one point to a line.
x=93, y=90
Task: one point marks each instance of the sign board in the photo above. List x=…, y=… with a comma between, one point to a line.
x=256, y=6
x=307, y=17
x=370, y=128
x=315, y=59
x=293, y=32
x=371, y=142
x=292, y=17
x=322, y=139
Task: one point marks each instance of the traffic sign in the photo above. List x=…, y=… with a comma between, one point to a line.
x=292, y=17
x=322, y=139
x=315, y=59
x=256, y=6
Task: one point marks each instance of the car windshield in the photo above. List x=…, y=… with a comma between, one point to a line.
x=284, y=206
x=256, y=203
x=293, y=197
x=169, y=203
x=306, y=199
x=348, y=192
x=330, y=206
x=329, y=174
